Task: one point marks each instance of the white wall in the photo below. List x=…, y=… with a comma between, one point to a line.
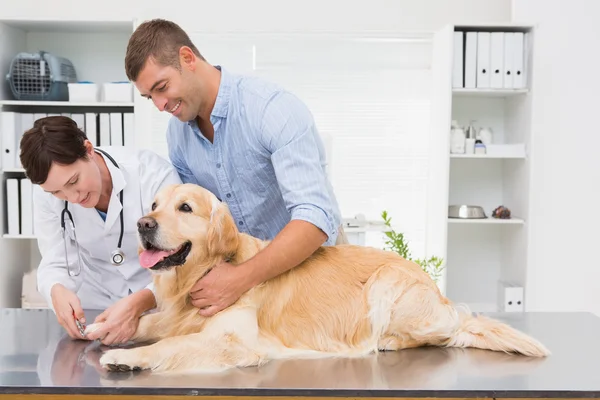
x=563, y=272
x=269, y=15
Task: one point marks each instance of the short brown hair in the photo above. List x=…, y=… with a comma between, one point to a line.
x=52, y=139
x=160, y=40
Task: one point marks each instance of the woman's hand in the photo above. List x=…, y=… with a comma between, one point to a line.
x=67, y=307
x=118, y=323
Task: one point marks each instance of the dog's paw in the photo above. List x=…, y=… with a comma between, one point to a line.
x=92, y=327
x=121, y=360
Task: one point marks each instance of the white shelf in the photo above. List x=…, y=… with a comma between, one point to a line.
x=489, y=220
x=7, y=236
x=61, y=104
x=489, y=92
x=115, y=25
x=13, y=170
x=473, y=249
x=489, y=156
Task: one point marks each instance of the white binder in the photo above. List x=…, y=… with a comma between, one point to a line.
x=508, y=60
x=483, y=60
x=26, y=207
x=129, y=129
x=79, y=119
x=104, y=129
x=519, y=60
x=91, y=127
x=12, y=206
x=27, y=120
x=471, y=60
x=116, y=129
x=11, y=125
x=458, y=60
x=497, y=60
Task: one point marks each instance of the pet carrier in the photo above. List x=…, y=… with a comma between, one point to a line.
x=40, y=76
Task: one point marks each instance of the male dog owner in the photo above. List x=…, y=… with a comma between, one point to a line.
x=251, y=143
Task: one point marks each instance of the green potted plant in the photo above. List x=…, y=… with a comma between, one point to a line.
x=397, y=243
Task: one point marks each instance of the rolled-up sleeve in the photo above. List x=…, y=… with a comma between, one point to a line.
x=297, y=153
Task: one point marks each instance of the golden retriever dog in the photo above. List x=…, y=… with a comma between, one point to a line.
x=343, y=301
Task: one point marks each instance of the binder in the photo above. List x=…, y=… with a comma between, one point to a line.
x=26, y=124
x=104, y=129
x=470, y=60
x=458, y=61
x=497, y=60
x=519, y=60
x=508, y=60
x=26, y=207
x=11, y=122
x=483, y=60
x=129, y=129
x=12, y=206
x=79, y=119
x=91, y=127
x=116, y=129
x=37, y=116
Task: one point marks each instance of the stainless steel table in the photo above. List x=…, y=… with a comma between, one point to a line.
x=38, y=360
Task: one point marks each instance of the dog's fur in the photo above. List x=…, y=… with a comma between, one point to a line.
x=343, y=301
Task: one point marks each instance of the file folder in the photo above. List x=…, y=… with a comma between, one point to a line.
x=483, y=60
x=519, y=60
x=470, y=60
x=12, y=206
x=497, y=60
x=26, y=207
x=458, y=61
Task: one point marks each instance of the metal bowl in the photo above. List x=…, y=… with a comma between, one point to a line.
x=466, y=212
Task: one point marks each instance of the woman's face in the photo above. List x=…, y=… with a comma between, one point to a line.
x=78, y=183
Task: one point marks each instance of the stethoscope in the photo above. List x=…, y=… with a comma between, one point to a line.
x=117, y=257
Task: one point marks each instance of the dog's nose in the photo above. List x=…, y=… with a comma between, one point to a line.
x=146, y=224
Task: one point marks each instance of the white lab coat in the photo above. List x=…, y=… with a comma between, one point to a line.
x=141, y=175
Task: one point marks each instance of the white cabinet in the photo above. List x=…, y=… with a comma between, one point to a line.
x=481, y=76
x=97, y=51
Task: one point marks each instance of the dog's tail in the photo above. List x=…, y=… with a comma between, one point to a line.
x=489, y=334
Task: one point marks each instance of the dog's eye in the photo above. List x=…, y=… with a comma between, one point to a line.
x=153, y=206
x=185, y=208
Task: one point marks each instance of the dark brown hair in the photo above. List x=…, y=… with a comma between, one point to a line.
x=52, y=139
x=160, y=40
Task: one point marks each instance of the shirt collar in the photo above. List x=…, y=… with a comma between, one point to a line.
x=223, y=95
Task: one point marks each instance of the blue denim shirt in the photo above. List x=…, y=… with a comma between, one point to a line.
x=267, y=161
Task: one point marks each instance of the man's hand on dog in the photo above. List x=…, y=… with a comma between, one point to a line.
x=218, y=289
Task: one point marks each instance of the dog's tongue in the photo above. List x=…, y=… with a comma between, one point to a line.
x=149, y=258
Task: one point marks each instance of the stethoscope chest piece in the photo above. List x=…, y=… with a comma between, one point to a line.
x=117, y=257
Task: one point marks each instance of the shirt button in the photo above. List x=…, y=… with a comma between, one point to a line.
x=228, y=195
x=218, y=165
x=241, y=222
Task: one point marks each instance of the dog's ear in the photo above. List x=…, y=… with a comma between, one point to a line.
x=222, y=233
